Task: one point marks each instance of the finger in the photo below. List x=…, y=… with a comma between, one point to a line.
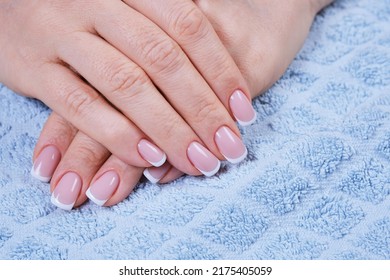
x=75, y=171
x=170, y=69
x=55, y=138
x=54, y=141
x=154, y=175
x=131, y=91
x=165, y=63
x=82, y=106
x=163, y=174
x=114, y=181
x=172, y=175
x=188, y=26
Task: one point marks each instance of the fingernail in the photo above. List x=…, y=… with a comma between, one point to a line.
x=230, y=145
x=155, y=174
x=67, y=190
x=242, y=108
x=151, y=153
x=46, y=163
x=103, y=188
x=203, y=159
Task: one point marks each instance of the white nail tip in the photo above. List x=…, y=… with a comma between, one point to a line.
x=239, y=159
x=149, y=176
x=247, y=123
x=57, y=203
x=213, y=172
x=159, y=163
x=94, y=199
x=39, y=177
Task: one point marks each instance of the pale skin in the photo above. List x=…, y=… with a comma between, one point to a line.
x=122, y=63
x=258, y=40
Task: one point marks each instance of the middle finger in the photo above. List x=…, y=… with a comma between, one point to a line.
x=172, y=71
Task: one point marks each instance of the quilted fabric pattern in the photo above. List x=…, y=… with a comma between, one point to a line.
x=315, y=185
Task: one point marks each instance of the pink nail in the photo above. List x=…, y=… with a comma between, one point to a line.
x=46, y=163
x=242, y=108
x=151, y=153
x=67, y=190
x=230, y=145
x=103, y=188
x=155, y=174
x=203, y=159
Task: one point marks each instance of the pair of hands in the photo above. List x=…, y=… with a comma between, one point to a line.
x=132, y=79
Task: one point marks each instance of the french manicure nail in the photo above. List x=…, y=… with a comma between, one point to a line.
x=155, y=174
x=242, y=108
x=103, y=188
x=230, y=145
x=67, y=190
x=203, y=159
x=151, y=153
x=46, y=163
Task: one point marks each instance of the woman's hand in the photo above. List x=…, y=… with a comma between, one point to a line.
x=262, y=43
x=145, y=88
x=81, y=167
x=263, y=36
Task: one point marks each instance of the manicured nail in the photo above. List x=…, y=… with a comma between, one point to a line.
x=230, y=145
x=242, y=108
x=103, y=188
x=155, y=174
x=203, y=159
x=151, y=153
x=67, y=190
x=46, y=163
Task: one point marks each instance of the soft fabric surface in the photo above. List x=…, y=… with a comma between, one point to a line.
x=316, y=183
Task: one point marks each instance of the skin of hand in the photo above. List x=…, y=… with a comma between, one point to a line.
x=256, y=36
x=108, y=69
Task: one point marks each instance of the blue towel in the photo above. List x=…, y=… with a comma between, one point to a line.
x=316, y=183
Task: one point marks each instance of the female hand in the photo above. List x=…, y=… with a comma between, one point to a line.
x=109, y=70
x=266, y=58
x=263, y=36
x=78, y=163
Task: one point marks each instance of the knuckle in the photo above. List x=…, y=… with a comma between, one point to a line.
x=190, y=23
x=78, y=100
x=162, y=54
x=88, y=153
x=225, y=75
x=170, y=126
x=207, y=110
x=171, y=130
x=127, y=79
x=61, y=130
x=204, y=5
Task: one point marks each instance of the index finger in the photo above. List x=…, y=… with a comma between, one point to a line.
x=185, y=23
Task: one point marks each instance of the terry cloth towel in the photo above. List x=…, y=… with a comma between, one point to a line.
x=315, y=185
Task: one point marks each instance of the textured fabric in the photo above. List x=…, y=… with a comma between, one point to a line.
x=315, y=185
